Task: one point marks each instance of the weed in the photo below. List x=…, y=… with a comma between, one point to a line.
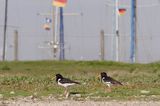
x=5, y=68
x=30, y=77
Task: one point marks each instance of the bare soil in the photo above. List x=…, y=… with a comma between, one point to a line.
x=29, y=102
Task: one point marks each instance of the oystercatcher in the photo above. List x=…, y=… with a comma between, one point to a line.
x=109, y=81
x=65, y=82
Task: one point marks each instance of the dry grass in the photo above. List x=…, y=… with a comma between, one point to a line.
x=141, y=81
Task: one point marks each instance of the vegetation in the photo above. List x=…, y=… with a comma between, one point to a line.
x=141, y=81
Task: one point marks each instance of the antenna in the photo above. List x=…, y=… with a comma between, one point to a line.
x=55, y=23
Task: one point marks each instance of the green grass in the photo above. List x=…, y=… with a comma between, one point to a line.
x=141, y=81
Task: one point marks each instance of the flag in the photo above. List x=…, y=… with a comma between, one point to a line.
x=48, y=20
x=60, y=3
x=46, y=27
x=121, y=11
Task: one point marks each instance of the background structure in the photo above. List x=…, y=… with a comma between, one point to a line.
x=82, y=32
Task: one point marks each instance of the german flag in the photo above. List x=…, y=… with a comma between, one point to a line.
x=122, y=11
x=59, y=3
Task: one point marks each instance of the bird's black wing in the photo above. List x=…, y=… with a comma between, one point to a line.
x=66, y=80
x=113, y=81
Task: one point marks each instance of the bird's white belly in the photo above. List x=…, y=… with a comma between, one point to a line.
x=65, y=84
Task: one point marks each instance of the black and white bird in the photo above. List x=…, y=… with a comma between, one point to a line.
x=109, y=81
x=65, y=82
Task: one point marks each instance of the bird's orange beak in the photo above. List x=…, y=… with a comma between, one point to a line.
x=53, y=78
x=99, y=78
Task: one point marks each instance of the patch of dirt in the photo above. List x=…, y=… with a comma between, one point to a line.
x=29, y=102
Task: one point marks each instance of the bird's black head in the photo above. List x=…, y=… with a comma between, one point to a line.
x=58, y=76
x=103, y=74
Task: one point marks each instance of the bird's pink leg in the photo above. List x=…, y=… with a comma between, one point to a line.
x=65, y=91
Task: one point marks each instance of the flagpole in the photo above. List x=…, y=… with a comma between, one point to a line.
x=5, y=30
x=136, y=42
x=62, y=49
x=56, y=24
x=55, y=29
x=117, y=28
x=133, y=29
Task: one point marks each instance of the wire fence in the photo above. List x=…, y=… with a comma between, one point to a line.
x=82, y=33
x=84, y=47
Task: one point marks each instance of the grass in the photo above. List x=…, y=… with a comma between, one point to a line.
x=141, y=81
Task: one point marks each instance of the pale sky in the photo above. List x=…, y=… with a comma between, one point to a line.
x=82, y=39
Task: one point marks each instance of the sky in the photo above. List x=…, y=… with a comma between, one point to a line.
x=82, y=32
